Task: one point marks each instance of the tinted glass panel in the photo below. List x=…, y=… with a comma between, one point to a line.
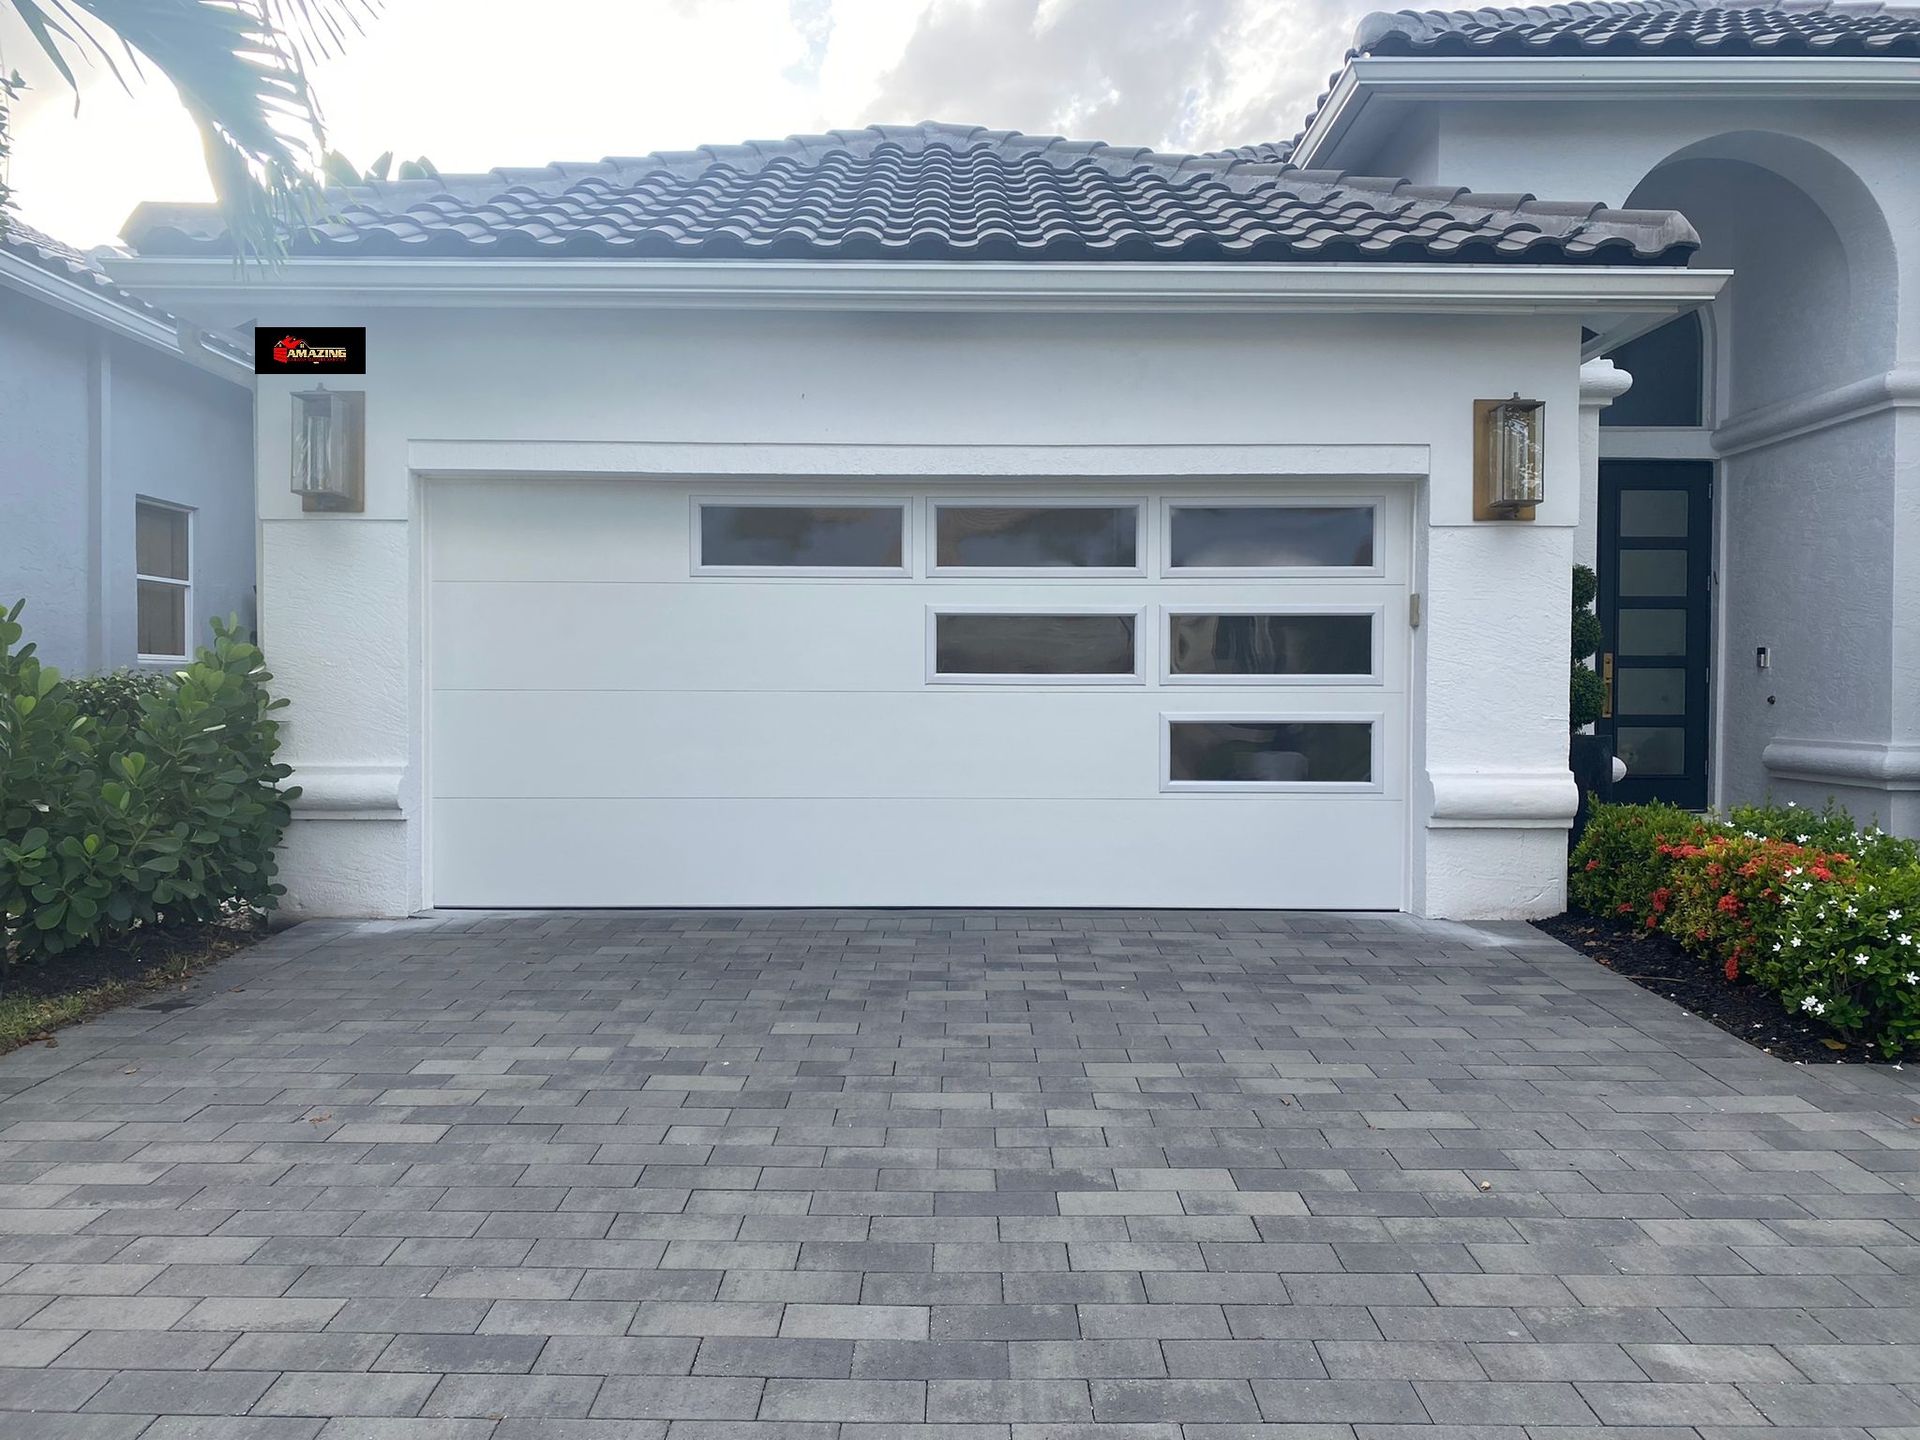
x=1653, y=632
x=160, y=541
x=162, y=621
x=1650, y=750
x=824, y=536
x=1271, y=536
x=1665, y=365
x=1653, y=572
x=1270, y=644
x=1310, y=752
x=1650, y=692
x=1004, y=537
x=1657, y=513
x=1033, y=644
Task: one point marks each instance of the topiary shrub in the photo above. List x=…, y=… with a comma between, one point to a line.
x=108, y=823
x=1586, y=692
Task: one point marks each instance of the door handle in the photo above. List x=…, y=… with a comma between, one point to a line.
x=1606, y=686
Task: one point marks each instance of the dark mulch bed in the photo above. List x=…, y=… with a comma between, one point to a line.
x=1656, y=962
x=38, y=997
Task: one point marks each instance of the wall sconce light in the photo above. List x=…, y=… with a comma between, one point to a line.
x=330, y=449
x=1509, y=458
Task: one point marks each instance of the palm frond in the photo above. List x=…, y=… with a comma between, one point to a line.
x=240, y=67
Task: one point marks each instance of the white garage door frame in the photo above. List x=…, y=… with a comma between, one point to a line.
x=1350, y=471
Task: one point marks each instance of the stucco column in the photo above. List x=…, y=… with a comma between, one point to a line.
x=1601, y=383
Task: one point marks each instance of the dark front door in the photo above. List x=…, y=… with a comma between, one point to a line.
x=1656, y=529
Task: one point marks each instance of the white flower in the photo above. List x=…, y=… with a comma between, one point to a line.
x=1850, y=912
x=1802, y=839
x=1861, y=961
x=1794, y=940
x=1893, y=914
x=1913, y=977
x=1813, y=1006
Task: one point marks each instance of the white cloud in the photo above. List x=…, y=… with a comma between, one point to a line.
x=479, y=83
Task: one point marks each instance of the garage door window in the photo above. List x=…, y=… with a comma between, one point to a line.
x=1242, y=752
x=1265, y=647
x=1240, y=538
x=1002, y=539
x=1007, y=646
x=821, y=539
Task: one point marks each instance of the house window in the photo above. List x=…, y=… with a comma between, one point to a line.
x=1668, y=376
x=1238, y=538
x=749, y=535
x=994, y=645
x=163, y=566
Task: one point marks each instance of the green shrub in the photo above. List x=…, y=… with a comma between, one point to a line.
x=112, y=821
x=115, y=697
x=1587, y=693
x=1618, y=868
x=1823, y=915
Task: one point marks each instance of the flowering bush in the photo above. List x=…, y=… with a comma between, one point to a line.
x=1619, y=869
x=1825, y=916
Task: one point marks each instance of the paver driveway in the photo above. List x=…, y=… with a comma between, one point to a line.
x=641, y=1174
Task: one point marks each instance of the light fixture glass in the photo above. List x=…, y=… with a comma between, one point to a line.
x=329, y=445
x=1511, y=459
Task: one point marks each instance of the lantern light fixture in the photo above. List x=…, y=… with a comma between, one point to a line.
x=1509, y=458
x=329, y=449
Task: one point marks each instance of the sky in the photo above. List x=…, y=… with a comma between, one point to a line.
x=474, y=84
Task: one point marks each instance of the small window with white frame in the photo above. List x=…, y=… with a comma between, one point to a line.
x=993, y=645
x=1037, y=538
x=1225, y=753
x=1240, y=537
x=163, y=579
x=848, y=538
x=1271, y=645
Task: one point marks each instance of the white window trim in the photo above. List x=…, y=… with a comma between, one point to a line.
x=187, y=630
x=1376, y=645
x=903, y=503
x=1140, y=643
x=1376, y=786
x=1333, y=499
x=1142, y=540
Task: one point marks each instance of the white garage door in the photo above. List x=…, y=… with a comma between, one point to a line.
x=650, y=693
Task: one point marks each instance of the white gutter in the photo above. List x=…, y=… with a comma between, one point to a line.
x=75, y=298
x=343, y=286
x=1614, y=77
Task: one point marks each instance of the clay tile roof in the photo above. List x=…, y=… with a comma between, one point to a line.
x=1644, y=27
x=75, y=267
x=1650, y=27
x=945, y=192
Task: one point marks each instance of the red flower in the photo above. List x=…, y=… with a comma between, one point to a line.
x=1729, y=905
x=1592, y=865
x=1733, y=966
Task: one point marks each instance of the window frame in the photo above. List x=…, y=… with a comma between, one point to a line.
x=902, y=503
x=934, y=676
x=1372, y=501
x=1142, y=512
x=1375, y=719
x=1376, y=644
x=140, y=577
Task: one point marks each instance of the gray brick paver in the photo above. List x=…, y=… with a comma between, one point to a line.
x=946, y=1176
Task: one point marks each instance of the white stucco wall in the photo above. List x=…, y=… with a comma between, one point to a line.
x=1814, y=203
x=341, y=594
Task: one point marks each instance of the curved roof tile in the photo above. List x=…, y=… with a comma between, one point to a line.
x=945, y=192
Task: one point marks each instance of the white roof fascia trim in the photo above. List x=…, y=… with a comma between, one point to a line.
x=193, y=286
x=1559, y=77
x=74, y=298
